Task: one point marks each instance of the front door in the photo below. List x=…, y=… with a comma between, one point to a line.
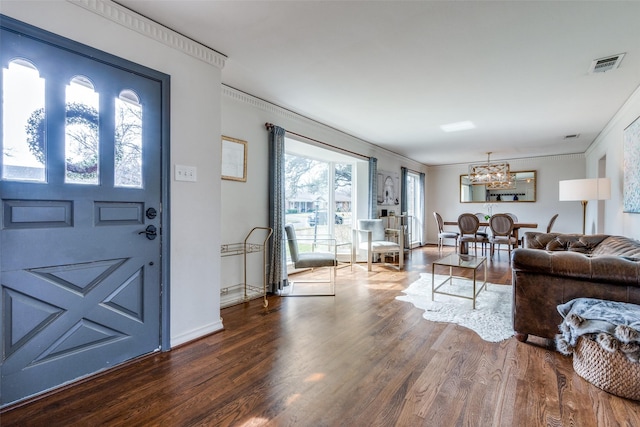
x=80, y=189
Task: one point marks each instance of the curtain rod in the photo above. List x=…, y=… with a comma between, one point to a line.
x=269, y=126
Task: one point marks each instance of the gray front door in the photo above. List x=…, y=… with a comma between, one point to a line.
x=80, y=241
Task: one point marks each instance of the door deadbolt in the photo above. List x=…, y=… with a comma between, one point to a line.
x=151, y=213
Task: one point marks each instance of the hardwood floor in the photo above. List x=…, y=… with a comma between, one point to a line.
x=360, y=358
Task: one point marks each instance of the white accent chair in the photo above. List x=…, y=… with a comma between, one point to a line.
x=371, y=236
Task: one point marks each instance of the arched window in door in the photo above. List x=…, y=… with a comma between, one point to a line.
x=82, y=139
x=128, y=140
x=23, y=156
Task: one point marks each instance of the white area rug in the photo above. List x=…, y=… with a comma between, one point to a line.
x=491, y=319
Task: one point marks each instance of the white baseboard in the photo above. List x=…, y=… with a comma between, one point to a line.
x=196, y=333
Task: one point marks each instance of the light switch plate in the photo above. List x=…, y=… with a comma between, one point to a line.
x=186, y=173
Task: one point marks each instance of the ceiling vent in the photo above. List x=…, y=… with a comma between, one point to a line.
x=572, y=136
x=606, y=64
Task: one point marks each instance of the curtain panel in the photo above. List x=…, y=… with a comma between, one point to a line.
x=373, y=188
x=277, y=273
x=404, y=203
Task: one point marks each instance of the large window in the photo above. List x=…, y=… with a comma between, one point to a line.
x=319, y=186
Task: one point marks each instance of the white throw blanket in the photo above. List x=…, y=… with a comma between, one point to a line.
x=614, y=325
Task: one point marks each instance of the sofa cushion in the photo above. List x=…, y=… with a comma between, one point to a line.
x=619, y=246
x=585, y=244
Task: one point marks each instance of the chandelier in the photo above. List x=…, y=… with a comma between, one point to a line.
x=490, y=173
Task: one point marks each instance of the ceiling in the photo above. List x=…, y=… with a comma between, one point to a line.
x=393, y=72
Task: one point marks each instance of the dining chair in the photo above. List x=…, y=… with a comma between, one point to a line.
x=513, y=216
x=501, y=232
x=551, y=222
x=482, y=230
x=468, y=224
x=444, y=234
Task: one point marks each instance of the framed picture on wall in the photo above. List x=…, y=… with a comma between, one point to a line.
x=388, y=188
x=234, y=159
x=631, y=190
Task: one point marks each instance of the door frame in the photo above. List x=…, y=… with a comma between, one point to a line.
x=36, y=33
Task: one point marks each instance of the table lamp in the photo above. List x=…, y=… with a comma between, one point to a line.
x=585, y=190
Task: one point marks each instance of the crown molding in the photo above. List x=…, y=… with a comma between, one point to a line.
x=138, y=23
x=261, y=104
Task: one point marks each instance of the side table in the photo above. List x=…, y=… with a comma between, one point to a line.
x=462, y=261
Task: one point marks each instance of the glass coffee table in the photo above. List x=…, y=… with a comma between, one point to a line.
x=461, y=261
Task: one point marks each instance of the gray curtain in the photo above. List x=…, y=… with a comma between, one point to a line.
x=373, y=188
x=420, y=208
x=403, y=190
x=278, y=255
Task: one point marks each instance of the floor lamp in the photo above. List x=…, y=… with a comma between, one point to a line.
x=585, y=190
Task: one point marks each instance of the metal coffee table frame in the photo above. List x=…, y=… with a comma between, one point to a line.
x=467, y=262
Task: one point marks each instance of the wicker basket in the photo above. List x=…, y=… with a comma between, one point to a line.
x=612, y=372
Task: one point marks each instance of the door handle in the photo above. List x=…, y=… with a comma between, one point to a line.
x=150, y=232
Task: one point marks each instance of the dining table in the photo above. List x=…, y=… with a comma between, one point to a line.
x=516, y=227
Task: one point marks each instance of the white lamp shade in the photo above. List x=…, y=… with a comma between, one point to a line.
x=585, y=189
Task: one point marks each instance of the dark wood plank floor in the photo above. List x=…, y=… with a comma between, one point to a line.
x=360, y=358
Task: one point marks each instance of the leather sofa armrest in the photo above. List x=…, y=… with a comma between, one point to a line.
x=531, y=260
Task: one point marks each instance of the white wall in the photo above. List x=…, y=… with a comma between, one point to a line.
x=195, y=127
x=443, y=194
x=610, y=143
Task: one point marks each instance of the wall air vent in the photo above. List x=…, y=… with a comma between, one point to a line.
x=606, y=64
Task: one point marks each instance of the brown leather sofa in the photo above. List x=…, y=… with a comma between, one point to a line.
x=553, y=268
